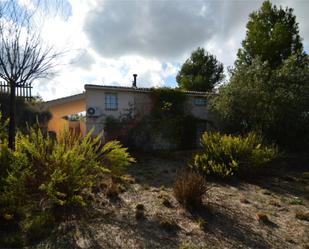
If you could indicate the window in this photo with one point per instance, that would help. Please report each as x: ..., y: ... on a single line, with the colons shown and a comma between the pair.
x: 200, y: 101
x: 111, y: 101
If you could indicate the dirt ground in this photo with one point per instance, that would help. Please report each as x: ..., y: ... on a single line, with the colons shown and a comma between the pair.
x: 263, y: 213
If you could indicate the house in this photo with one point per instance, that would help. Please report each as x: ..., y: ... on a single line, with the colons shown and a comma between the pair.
x: 100, y: 102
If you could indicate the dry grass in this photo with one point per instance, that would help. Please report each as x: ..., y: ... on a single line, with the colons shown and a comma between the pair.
x: 302, y: 215
x: 139, y: 219
x: 189, y: 189
x: 262, y: 217
x: 167, y: 223
x: 113, y: 190
x: 165, y: 199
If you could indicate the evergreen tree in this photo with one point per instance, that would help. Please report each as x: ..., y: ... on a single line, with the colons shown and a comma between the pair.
x: 272, y: 35
x: 201, y: 72
x: 268, y: 91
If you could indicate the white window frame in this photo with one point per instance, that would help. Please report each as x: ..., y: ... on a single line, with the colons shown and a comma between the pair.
x: 111, y: 101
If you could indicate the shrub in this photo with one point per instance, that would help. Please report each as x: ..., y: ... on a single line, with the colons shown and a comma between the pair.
x: 227, y: 155
x: 66, y: 170
x: 3, y: 125
x: 271, y: 101
x: 58, y: 174
x: 44, y: 178
x: 113, y: 190
x: 13, y: 198
x: 189, y: 189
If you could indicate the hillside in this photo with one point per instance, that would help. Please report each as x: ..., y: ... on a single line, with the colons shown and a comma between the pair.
x: 268, y: 212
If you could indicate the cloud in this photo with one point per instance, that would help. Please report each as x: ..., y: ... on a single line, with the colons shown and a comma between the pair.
x: 160, y: 29
x: 27, y: 4
x: 151, y: 73
x: 109, y: 40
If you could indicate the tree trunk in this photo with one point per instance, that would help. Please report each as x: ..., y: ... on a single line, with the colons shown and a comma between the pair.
x: 12, y: 128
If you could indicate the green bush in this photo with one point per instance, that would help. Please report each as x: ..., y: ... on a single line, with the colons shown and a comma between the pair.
x: 67, y: 170
x: 272, y: 102
x: 44, y: 178
x: 13, y: 199
x: 227, y: 155
x: 59, y: 173
x: 10, y: 211
x: 3, y: 125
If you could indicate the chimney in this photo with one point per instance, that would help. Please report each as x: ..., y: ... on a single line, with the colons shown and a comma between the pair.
x: 134, y: 80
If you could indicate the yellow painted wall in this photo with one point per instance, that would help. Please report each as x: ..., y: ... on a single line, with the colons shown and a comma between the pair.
x: 59, y: 110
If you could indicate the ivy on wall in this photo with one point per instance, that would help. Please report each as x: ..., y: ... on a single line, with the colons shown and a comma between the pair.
x: 167, y: 126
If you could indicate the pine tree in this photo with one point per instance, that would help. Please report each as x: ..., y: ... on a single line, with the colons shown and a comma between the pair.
x: 272, y: 35
x: 201, y: 72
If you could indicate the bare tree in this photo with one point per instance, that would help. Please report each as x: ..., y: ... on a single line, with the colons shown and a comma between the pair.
x: 23, y: 55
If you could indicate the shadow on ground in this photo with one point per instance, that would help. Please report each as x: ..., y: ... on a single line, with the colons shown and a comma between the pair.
x: 220, y: 221
x: 159, y: 170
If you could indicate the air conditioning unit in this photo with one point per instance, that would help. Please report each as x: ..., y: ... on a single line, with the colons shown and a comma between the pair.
x: 93, y: 112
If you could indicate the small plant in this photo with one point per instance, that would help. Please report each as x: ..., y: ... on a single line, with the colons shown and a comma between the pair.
x: 275, y: 203
x: 306, y: 246
x: 201, y: 222
x: 113, y: 190
x: 162, y: 188
x: 168, y: 223
x: 302, y: 215
x: 146, y: 186
x: 3, y: 125
x: 187, y: 245
x: 227, y: 155
x: 262, y: 217
x: 140, y: 207
x: 38, y: 226
x: 266, y: 192
x: 189, y: 189
x: 165, y: 198
x: 244, y: 200
x: 166, y: 202
x: 296, y: 201
x: 139, y: 211
x: 128, y: 179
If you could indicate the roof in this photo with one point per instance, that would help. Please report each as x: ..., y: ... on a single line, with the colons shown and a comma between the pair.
x: 81, y: 96
x: 137, y: 89
x: 64, y: 100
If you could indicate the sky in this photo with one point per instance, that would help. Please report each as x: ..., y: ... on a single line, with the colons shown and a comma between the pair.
x: 106, y: 41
